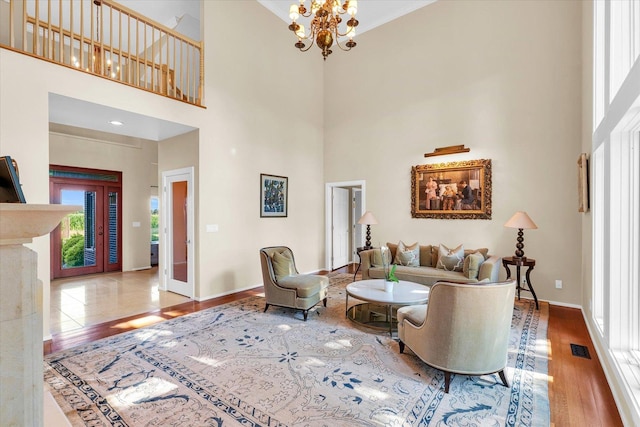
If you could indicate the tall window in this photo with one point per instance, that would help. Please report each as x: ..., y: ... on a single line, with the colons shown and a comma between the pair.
x: 616, y: 190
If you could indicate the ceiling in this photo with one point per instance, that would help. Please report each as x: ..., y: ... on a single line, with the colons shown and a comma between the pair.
x: 74, y: 113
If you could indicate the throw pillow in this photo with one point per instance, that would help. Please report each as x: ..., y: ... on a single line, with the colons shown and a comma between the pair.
x: 483, y: 251
x: 472, y: 265
x: 376, y: 259
x: 408, y: 255
x: 451, y: 259
x: 282, y: 265
x: 425, y: 256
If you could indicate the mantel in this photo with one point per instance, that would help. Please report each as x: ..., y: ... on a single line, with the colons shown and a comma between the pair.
x: 21, y: 222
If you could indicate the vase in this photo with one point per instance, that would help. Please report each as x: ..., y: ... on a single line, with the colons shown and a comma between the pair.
x: 388, y: 286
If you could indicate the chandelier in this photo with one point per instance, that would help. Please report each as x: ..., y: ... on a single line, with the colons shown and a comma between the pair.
x: 324, y: 27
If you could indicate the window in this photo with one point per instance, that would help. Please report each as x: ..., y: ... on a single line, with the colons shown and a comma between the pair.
x: 615, y: 304
x: 154, y: 219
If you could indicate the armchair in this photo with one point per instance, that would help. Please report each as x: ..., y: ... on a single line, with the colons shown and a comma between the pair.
x: 463, y: 329
x: 285, y: 287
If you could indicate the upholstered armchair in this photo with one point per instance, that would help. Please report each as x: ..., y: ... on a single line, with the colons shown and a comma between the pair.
x: 285, y: 287
x: 463, y: 328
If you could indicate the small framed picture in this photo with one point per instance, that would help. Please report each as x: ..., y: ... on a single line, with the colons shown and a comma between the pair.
x: 273, y: 196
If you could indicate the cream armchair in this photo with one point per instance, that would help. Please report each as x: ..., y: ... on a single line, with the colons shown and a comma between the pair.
x: 285, y: 287
x: 463, y: 329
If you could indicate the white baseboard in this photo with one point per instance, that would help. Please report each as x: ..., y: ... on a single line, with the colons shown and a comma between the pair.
x: 141, y: 268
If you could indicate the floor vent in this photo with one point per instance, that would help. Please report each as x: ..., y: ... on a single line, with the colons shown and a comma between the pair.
x: 580, y: 351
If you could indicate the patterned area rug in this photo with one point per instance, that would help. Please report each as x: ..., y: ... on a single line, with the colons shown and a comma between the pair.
x: 235, y: 365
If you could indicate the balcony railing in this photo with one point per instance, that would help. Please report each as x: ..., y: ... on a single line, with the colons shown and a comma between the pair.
x: 105, y: 38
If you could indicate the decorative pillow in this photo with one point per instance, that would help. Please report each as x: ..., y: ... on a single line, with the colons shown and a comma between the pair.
x: 451, y: 259
x: 393, y: 249
x: 408, y: 255
x: 472, y: 265
x: 282, y: 265
x: 483, y: 251
x: 376, y: 259
x: 425, y: 256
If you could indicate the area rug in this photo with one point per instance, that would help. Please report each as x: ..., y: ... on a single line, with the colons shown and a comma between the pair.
x: 235, y: 365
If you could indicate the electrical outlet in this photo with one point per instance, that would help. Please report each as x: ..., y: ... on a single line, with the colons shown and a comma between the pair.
x: 523, y: 281
x: 558, y: 284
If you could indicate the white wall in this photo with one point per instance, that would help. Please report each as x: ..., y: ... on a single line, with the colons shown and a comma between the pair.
x: 503, y: 78
x: 138, y: 165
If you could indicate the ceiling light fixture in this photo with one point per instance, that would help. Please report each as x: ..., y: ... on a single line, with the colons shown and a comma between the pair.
x: 116, y: 123
x: 324, y: 25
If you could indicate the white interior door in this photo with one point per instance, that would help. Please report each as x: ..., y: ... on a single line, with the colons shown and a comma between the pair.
x: 179, y: 267
x: 340, y: 208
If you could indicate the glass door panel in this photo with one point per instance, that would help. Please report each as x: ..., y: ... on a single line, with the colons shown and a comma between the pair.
x: 113, y: 242
x: 79, y: 230
x: 78, y: 242
x: 179, y: 230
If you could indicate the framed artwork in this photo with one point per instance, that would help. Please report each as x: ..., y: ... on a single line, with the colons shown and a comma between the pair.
x: 273, y: 196
x: 455, y: 190
x: 583, y: 183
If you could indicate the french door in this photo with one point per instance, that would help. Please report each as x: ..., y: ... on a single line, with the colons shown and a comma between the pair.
x: 88, y: 240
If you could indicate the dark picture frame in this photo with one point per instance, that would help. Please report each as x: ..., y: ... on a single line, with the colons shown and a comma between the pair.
x: 274, y: 196
x: 437, y: 190
x: 10, y: 189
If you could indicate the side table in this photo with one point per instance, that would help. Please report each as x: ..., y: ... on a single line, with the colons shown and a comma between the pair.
x: 358, y: 250
x: 521, y: 262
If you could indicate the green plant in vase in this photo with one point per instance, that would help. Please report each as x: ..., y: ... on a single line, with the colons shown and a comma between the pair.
x: 391, y: 276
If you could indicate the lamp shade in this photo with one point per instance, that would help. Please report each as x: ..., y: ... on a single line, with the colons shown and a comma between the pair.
x: 367, y: 218
x: 521, y: 220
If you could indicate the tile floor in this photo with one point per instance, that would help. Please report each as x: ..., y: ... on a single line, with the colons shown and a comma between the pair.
x: 82, y: 301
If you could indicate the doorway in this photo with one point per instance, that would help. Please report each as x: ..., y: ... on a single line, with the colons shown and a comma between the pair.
x: 341, y: 228
x: 90, y: 240
x: 179, y: 266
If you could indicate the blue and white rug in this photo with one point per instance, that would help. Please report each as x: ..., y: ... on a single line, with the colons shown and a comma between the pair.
x: 235, y: 365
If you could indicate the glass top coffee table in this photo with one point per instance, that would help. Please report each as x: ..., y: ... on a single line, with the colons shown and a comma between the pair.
x: 378, y: 307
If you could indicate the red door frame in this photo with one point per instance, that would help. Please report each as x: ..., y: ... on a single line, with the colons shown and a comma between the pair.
x: 102, y: 214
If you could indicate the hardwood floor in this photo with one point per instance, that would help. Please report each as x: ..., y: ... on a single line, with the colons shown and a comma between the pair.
x: 579, y: 394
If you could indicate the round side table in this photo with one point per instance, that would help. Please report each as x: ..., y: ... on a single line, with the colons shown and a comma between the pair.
x: 518, y: 263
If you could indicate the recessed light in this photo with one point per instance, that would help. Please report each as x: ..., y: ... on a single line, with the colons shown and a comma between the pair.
x: 116, y: 123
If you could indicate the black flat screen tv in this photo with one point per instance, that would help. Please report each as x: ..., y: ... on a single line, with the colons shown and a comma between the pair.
x: 10, y: 189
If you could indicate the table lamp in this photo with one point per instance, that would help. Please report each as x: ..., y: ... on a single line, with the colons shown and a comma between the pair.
x: 521, y: 221
x: 368, y: 219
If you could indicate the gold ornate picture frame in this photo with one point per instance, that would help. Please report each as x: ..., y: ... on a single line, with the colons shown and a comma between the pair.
x: 455, y: 190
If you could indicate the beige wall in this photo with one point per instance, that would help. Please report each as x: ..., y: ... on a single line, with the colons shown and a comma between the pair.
x: 264, y: 109
x: 139, y: 178
x: 503, y: 78
x: 178, y: 153
x: 263, y: 115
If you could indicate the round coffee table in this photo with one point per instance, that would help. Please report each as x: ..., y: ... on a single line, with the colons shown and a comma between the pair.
x: 377, y: 308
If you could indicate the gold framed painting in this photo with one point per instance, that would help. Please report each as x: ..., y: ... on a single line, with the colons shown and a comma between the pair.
x: 583, y: 183
x: 454, y: 190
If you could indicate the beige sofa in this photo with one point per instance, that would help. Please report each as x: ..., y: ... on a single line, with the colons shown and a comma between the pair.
x: 427, y: 273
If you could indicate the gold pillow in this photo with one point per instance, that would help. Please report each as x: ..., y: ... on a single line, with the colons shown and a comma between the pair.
x: 472, y: 265
x: 282, y: 265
